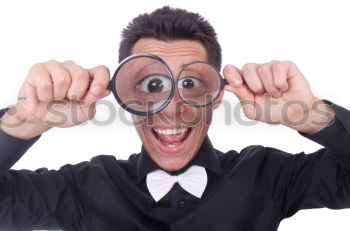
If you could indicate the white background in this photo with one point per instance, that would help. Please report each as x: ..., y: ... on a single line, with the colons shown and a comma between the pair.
x: 313, y: 34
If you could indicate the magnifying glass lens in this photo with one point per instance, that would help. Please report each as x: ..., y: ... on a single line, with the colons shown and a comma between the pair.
x: 199, y: 84
x: 143, y: 85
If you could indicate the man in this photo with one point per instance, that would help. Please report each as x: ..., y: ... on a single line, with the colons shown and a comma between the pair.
x: 178, y: 181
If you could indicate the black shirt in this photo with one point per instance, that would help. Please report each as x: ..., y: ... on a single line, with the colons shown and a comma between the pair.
x: 253, y: 189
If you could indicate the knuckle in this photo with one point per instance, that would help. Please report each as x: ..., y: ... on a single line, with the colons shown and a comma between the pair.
x: 256, y: 87
x: 45, y: 86
x: 288, y: 62
x: 102, y: 68
x: 81, y: 73
x: 248, y: 67
x: 51, y: 61
x: 37, y: 66
x: 262, y: 69
x: 278, y: 67
x: 291, y: 67
x: 68, y: 62
x: 278, y: 80
x: 63, y: 79
x: 35, y: 70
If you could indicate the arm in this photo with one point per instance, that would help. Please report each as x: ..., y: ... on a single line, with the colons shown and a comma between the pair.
x: 38, y: 199
x: 316, y: 180
x: 277, y: 92
x: 53, y: 95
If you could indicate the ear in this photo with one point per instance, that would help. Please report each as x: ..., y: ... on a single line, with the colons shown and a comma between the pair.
x: 218, y: 100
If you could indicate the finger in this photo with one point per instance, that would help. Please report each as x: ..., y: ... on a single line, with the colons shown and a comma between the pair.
x: 98, y: 88
x: 27, y: 96
x: 236, y: 85
x: 80, y: 80
x: 265, y: 74
x: 252, y: 79
x: 39, y: 78
x: 100, y: 79
x: 242, y: 93
x: 232, y: 75
x: 240, y: 89
x: 279, y: 74
x: 60, y: 77
x: 246, y: 98
x: 89, y: 98
x: 30, y: 95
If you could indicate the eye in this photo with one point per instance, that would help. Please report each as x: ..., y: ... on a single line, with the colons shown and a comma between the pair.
x: 188, y: 82
x: 155, y: 84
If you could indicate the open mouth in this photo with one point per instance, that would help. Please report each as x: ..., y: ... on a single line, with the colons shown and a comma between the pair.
x: 171, y: 140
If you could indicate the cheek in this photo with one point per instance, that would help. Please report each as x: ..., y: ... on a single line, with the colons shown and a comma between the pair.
x: 208, y: 117
x: 139, y: 122
x: 190, y: 116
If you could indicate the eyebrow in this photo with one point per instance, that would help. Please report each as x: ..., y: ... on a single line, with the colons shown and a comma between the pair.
x: 145, y: 69
x: 184, y: 65
x: 155, y: 63
x: 167, y: 66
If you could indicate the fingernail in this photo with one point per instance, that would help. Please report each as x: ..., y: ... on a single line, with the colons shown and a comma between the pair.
x: 96, y: 90
x: 277, y: 94
x: 236, y: 82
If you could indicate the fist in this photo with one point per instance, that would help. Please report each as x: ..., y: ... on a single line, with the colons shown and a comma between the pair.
x: 61, y: 94
x: 274, y: 92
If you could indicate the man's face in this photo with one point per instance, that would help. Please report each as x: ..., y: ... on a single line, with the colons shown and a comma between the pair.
x: 173, y: 136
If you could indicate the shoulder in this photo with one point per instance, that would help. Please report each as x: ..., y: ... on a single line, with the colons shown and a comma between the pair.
x: 253, y: 155
x: 231, y: 158
x: 102, y: 164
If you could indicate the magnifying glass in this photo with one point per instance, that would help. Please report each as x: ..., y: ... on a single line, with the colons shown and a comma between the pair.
x: 143, y: 84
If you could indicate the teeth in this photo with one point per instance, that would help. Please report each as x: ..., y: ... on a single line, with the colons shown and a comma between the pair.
x: 170, y: 131
x: 172, y: 145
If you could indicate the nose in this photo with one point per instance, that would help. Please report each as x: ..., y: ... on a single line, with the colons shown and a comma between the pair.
x: 174, y: 109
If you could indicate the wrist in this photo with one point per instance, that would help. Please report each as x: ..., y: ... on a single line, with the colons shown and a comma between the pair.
x: 314, y: 120
x: 20, y: 128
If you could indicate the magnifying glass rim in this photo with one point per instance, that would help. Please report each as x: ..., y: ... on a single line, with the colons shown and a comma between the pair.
x: 123, y: 105
x: 223, y: 82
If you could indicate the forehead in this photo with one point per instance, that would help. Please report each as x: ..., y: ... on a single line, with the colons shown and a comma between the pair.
x: 174, y: 52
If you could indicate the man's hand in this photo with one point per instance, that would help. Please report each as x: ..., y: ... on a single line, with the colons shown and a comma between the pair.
x: 55, y: 95
x: 277, y: 92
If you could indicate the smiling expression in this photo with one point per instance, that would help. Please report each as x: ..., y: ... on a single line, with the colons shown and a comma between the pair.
x: 173, y: 136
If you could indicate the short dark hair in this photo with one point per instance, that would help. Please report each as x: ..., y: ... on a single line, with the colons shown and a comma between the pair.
x: 171, y: 24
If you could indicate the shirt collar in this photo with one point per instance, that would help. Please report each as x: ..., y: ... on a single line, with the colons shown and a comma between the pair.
x: 205, y: 157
